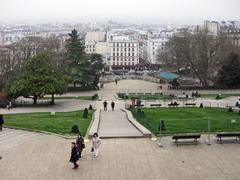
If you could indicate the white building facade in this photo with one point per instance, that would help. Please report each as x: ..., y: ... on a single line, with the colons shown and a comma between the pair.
x: 124, y: 54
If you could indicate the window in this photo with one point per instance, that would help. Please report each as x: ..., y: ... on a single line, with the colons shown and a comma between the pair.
x: 129, y: 54
x: 132, y: 49
x: 132, y: 54
x: 113, y: 58
x: 113, y: 49
x: 129, y: 49
x: 113, y: 54
x: 117, y: 54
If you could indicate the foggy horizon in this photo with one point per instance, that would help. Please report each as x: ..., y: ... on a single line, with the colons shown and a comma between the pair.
x: 132, y: 11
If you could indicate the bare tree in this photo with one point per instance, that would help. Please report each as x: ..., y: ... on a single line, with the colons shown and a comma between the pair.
x: 200, y: 52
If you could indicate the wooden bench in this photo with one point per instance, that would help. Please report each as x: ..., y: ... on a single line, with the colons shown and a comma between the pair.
x: 228, y: 135
x: 173, y: 104
x: 155, y: 105
x: 195, y: 137
x: 190, y: 104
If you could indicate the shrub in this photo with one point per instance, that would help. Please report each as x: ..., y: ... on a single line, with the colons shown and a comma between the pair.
x: 230, y: 109
x: 162, y: 125
x: 201, y: 105
x: 237, y: 104
x: 218, y: 97
x: 75, y: 129
x: 239, y: 112
x: 95, y: 96
x: 90, y: 107
x: 85, y: 113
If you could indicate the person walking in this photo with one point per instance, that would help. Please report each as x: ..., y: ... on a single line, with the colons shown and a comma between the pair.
x: 96, y: 142
x: 105, y: 105
x: 74, y: 156
x: 1, y: 122
x: 113, y: 105
x: 80, y: 145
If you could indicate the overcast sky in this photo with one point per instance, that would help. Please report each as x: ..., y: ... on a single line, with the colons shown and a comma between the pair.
x: 162, y: 11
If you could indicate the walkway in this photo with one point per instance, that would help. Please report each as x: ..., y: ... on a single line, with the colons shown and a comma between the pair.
x: 116, y: 124
x: 47, y: 158
x: 10, y: 138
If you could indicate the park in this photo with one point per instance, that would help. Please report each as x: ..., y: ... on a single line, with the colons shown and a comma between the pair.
x: 128, y: 156
x: 154, y: 121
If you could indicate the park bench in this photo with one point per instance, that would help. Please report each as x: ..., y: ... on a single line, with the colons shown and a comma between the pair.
x: 228, y: 135
x: 135, y: 105
x: 190, y: 104
x: 195, y: 137
x: 173, y: 104
x: 155, y: 105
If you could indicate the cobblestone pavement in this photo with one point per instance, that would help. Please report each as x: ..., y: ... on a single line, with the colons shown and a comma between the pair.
x: 46, y: 157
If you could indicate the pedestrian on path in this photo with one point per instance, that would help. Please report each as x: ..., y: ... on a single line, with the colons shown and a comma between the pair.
x: 96, y: 142
x: 80, y: 145
x: 1, y: 121
x: 113, y: 105
x: 105, y: 105
x: 74, y: 156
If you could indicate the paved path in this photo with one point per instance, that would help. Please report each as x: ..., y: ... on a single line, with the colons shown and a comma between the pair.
x: 115, y: 124
x: 10, y: 138
x: 46, y: 158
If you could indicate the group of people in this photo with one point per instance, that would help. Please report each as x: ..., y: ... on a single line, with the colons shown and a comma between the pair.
x: 78, y: 146
x: 105, y: 105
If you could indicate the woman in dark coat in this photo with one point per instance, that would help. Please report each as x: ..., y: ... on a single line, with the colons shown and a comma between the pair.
x: 74, y: 155
x: 1, y: 122
x: 80, y: 145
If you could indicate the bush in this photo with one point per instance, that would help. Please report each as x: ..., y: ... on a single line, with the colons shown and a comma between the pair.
x: 230, y: 109
x: 218, y: 97
x: 90, y: 107
x: 85, y: 113
x: 162, y: 125
x: 95, y: 96
x: 75, y: 129
x: 237, y: 104
x: 239, y: 112
x: 201, y: 105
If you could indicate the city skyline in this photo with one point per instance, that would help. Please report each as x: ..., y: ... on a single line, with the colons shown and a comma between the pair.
x: 139, y: 11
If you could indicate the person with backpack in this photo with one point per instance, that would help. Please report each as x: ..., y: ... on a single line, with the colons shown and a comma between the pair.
x: 80, y: 145
x: 1, y: 121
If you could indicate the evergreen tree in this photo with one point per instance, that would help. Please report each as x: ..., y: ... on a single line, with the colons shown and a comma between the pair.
x: 78, y: 63
x: 229, y: 75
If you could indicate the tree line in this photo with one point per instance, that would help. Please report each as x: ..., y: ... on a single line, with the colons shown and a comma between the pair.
x: 209, y: 58
x: 35, y: 67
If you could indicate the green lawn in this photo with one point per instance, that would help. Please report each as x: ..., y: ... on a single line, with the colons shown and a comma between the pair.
x: 60, y: 123
x: 214, y: 96
x: 88, y: 98
x: 149, y: 97
x: 187, y: 120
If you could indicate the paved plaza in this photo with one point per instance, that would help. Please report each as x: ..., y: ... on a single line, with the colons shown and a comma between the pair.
x: 45, y: 157
x: 37, y: 156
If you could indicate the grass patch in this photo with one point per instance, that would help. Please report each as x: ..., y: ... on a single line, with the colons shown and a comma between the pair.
x: 188, y: 120
x: 214, y: 96
x: 60, y: 123
x: 148, y: 97
x: 87, y: 98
